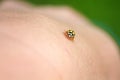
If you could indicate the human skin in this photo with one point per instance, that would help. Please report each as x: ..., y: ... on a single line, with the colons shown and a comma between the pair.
x: 33, y: 46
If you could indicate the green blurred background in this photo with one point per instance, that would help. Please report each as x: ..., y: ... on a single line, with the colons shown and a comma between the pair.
x: 104, y: 13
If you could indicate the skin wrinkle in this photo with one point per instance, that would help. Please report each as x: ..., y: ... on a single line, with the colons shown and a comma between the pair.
x: 95, y: 49
x: 76, y: 57
x: 65, y: 54
x: 34, y: 50
x: 101, y: 50
x: 93, y: 41
x: 73, y: 58
x: 88, y: 46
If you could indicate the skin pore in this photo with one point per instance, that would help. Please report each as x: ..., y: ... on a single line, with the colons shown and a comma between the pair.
x: 33, y: 46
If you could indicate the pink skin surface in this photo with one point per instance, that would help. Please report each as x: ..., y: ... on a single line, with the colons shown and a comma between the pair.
x: 33, y: 46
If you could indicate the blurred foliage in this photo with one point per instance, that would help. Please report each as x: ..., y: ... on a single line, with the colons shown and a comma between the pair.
x: 104, y: 13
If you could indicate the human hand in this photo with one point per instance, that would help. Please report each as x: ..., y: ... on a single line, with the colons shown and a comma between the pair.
x: 33, y: 46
